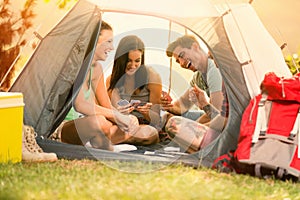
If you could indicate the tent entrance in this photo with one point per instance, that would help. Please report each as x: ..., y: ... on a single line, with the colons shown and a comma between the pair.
x: 48, y: 98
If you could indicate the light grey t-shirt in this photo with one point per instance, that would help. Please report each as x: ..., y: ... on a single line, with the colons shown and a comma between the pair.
x: 211, y: 81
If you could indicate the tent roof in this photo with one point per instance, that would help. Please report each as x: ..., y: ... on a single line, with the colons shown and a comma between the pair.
x: 192, y: 8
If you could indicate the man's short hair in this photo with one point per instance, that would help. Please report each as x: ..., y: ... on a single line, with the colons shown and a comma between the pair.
x: 185, y: 41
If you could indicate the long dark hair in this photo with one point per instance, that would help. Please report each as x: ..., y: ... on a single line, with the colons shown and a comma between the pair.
x: 128, y: 43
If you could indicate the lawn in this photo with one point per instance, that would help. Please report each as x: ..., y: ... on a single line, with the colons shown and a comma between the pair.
x: 86, y: 179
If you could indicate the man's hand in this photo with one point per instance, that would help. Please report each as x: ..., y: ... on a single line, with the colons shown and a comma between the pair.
x: 166, y: 101
x: 198, y: 96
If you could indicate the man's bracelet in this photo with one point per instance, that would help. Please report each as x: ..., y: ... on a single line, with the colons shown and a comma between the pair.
x: 210, y: 111
x: 206, y: 108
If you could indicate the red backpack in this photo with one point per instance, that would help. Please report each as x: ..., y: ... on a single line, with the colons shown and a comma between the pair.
x: 269, y: 133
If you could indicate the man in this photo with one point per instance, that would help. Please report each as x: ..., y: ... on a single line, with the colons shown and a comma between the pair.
x: 187, y: 133
x: 188, y: 53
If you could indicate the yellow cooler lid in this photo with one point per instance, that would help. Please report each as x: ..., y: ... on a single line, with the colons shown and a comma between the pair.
x: 11, y: 99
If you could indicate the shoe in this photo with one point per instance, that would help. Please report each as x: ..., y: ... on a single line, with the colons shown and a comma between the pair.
x: 88, y: 144
x: 56, y: 135
x: 124, y: 147
x: 31, y: 151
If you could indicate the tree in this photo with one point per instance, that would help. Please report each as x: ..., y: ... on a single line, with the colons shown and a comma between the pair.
x: 13, y: 27
x: 12, y: 30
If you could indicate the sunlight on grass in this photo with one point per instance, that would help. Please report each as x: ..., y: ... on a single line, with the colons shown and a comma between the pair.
x: 93, y: 180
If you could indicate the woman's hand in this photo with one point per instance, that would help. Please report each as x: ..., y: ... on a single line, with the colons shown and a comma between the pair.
x: 133, y: 125
x: 144, y: 109
x: 127, y: 123
x: 126, y: 110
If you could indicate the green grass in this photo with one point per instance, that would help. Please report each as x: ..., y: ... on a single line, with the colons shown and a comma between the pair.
x: 87, y: 179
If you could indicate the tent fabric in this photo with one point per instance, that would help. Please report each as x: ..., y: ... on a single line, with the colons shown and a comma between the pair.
x: 167, y: 8
x: 237, y: 93
x: 257, y: 47
x: 231, y: 34
x: 48, y: 78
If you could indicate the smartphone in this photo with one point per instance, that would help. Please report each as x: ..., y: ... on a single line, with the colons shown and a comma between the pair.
x: 123, y: 102
x: 142, y: 103
x: 135, y: 103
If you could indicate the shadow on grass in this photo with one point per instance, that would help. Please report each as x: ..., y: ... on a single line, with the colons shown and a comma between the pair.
x: 8, y: 195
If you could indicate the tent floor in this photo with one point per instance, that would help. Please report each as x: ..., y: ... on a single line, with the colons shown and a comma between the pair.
x: 153, y: 153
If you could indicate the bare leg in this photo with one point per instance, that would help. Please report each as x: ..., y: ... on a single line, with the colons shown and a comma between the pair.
x: 145, y: 135
x: 93, y: 129
x: 117, y: 136
x: 185, y: 132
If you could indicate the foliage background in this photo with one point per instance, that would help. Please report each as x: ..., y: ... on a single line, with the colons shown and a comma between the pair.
x: 12, y: 30
x: 293, y: 62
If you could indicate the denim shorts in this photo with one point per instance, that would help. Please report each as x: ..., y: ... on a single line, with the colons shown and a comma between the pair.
x: 193, y: 114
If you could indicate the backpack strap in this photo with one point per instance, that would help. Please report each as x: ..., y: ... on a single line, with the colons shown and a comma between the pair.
x: 296, y: 130
x: 257, y: 170
x: 280, y: 172
x: 298, y: 122
x: 261, y: 121
x: 296, y: 126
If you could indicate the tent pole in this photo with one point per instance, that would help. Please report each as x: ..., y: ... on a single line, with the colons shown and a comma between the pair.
x: 170, y: 74
x: 286, y: 46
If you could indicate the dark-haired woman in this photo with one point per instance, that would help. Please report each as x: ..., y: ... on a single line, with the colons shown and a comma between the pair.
x: 131, y: 80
